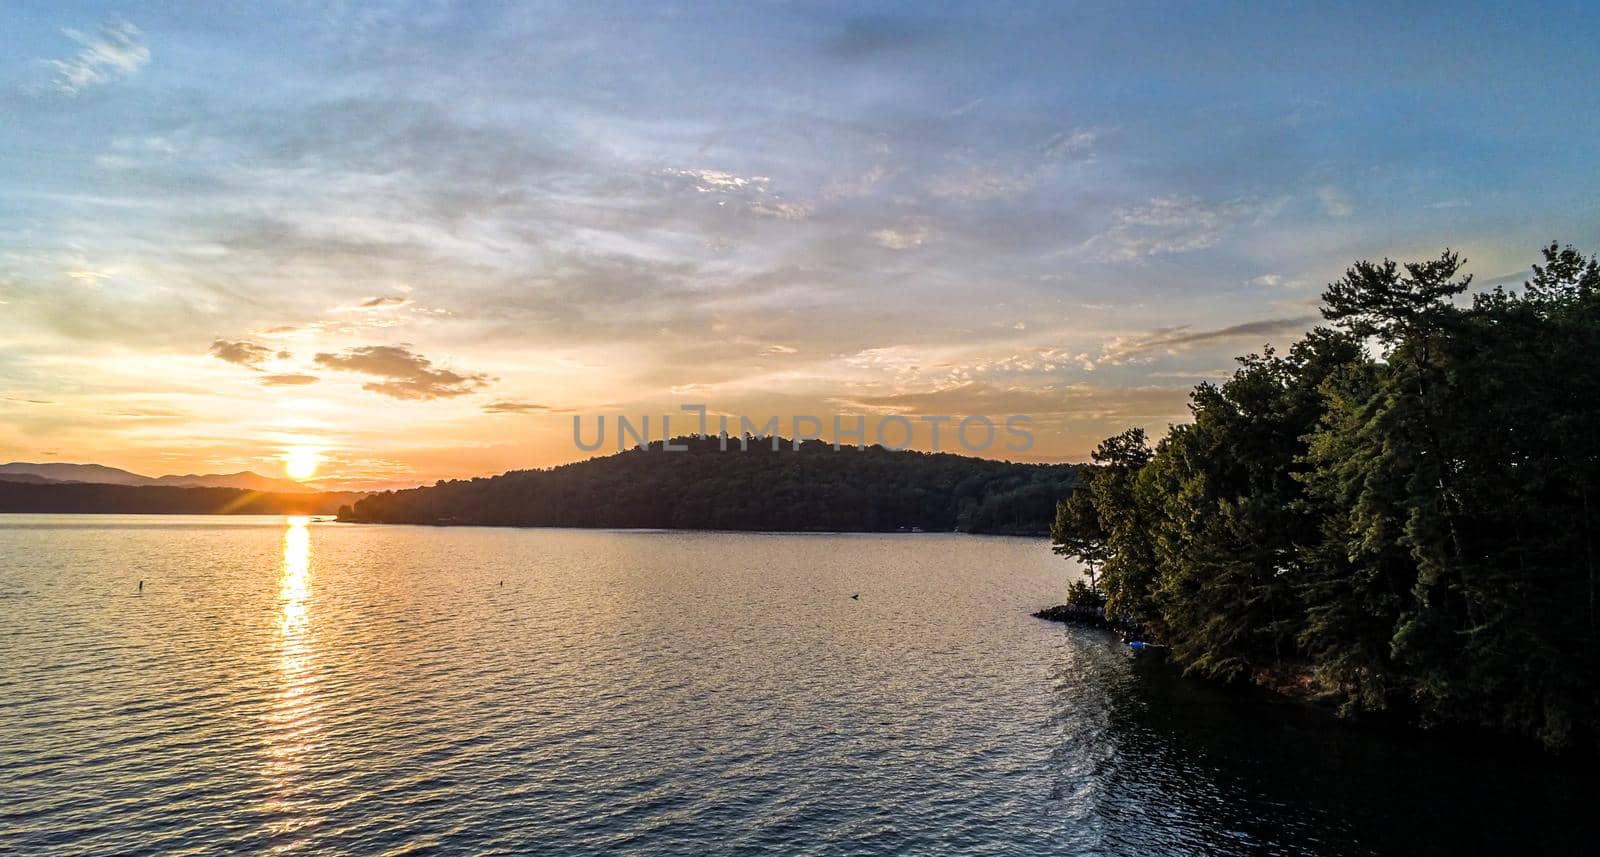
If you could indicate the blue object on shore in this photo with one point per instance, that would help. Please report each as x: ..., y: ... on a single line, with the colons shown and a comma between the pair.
x: 1138, y: 644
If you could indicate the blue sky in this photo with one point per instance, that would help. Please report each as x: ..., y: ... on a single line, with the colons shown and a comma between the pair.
x: 419, y: 237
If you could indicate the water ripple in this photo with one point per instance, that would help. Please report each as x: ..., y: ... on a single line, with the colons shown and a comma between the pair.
x: 286, y: 686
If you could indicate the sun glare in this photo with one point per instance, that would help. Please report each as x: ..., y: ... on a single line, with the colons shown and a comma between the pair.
x: 300, y: 462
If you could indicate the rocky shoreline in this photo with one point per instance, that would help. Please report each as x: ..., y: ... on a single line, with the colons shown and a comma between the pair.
x: 1095, y: 617
x: 1292, y: 681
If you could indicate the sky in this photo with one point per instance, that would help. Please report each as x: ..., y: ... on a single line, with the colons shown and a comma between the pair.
x: 421, y: 238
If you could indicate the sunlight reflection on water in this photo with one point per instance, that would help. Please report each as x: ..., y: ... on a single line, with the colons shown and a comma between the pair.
x: 291, y: 723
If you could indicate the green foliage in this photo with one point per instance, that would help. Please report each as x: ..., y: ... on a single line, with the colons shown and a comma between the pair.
x: 1083, y: 594
x: 814, y: 488
x: 1416, y: 524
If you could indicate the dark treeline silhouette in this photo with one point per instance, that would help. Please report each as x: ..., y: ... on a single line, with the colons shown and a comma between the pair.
x: 95, y: 498
x: 1401, y: 512
x: 814, y: 488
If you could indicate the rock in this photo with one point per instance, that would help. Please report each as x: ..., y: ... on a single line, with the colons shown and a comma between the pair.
x: 1093, y: 617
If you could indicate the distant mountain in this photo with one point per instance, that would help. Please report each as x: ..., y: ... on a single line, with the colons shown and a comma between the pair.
x: 101, y: 475
x: 246, y: 479
x: 815, y: 488
x: 31, y: 478
x: 97, y: 473
x: 106, y: 498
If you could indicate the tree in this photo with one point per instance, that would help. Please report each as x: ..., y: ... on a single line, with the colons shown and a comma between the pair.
x: 1415, y: 525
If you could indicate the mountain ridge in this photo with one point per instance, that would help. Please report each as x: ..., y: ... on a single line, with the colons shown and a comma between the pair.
x: 100, y: 474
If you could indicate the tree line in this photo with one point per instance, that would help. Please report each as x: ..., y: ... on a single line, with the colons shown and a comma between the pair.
x: 1400, y: 512
x: 101, y: 499
x: 814, y: 488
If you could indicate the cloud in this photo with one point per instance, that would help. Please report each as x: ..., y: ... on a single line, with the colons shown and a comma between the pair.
x: 901, y: 239
x: 1071, y: 143
x: 981, y: 183
x: 384, y: 302
x: 1277, y: 281
x: 508, y: 407
x: 755, y: 192
x: 1082, y: 401
x: 780, y: 210
x: 116, y: 51
x: 717, y: 181
x: 965, y: 108
x: 962, y: 399
x: 241, y: 353
x: 164, y: 414
x: 1172, y: 339
x: 290, y: 379
x: 859, y: 185
x: 1335, y: 202
x: 406, y: 374
x: 1166, y: 225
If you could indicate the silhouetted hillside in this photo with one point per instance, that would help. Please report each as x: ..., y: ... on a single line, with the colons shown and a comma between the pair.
x: 814, y: 488
x: 87, y: 498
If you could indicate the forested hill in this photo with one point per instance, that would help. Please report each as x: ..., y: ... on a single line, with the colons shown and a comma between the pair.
x: 814, y: 488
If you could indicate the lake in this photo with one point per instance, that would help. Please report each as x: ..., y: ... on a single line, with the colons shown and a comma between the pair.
x: 304, y: 686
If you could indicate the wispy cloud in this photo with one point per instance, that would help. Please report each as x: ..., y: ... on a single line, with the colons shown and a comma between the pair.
x: 384, y: 302
x: 1277, y: 281
x: 902, y: 238
x: 779, y: 210
x: 1071, y: 144
x: 754, y: 194
x: 1166, y: 225
x: 981, y: 183
x: 288, y: 379
x: 405, y: 374
x: 509, y: 407
x: 831, y: 205
x: 1072, y: 400
x: 717, y: 181
x: 1175, y: 339
x: 115, y: 51
x: 1335, y: 202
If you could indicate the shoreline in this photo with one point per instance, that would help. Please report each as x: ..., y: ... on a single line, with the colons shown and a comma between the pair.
x: 1288, y: 685
x: 1030, y: 534
x: 1286, y: 682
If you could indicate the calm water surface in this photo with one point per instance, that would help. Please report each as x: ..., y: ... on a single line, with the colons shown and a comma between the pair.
x: 282, y: 685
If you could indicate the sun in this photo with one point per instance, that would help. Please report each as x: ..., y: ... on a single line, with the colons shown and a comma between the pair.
x: 300, y: 462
